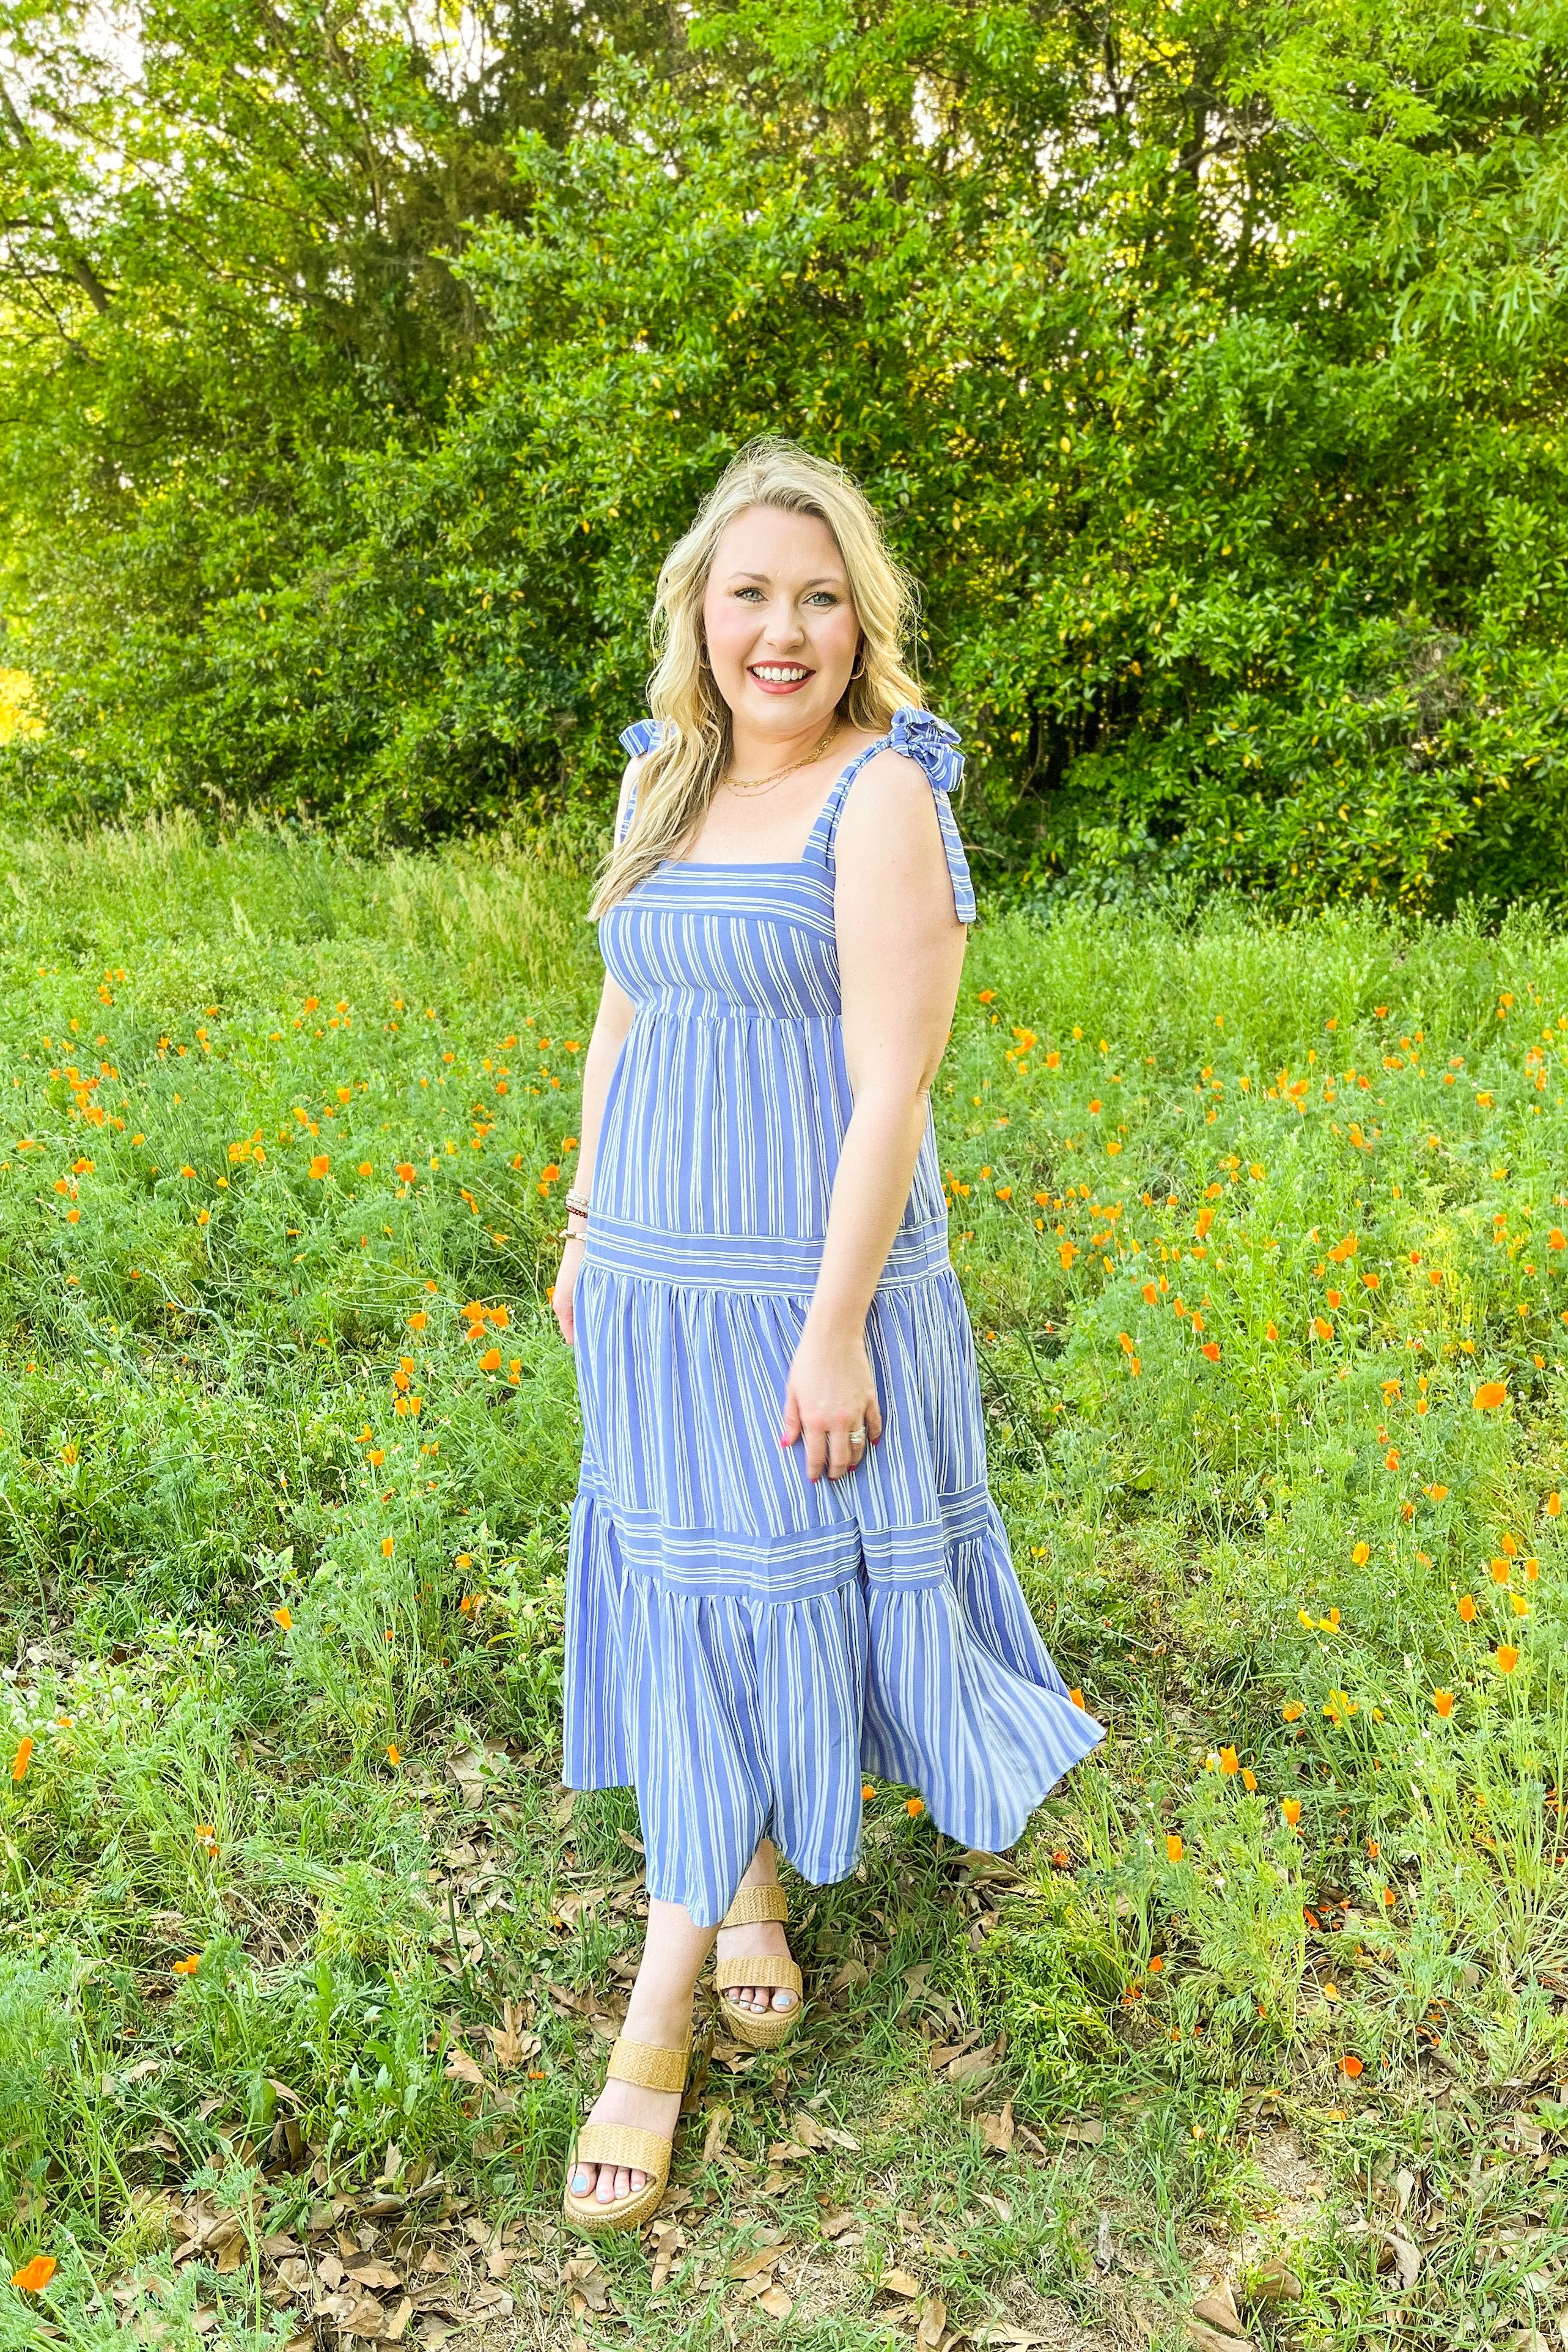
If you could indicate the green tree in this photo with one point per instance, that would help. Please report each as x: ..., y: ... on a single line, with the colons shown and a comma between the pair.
x: 1207, y: 362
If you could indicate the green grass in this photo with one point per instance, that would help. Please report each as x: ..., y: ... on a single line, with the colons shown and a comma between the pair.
x: 234, y: 1567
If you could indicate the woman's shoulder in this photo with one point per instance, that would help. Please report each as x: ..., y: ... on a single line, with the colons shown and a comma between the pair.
x: 918, y: 740
x: 910, y: 770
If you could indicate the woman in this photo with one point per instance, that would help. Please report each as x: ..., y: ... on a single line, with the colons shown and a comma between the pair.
x: 785, y: 1563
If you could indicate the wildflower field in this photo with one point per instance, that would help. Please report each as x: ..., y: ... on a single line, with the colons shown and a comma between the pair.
x: 309, y: 1961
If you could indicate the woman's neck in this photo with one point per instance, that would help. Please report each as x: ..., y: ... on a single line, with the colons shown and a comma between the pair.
x: 754, y: 753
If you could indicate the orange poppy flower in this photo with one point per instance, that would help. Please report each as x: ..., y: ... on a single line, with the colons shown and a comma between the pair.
x: 404, y: 1171
x: 1443, y: 1700
x: 490, y: 1361
x: 1467, y: 1608
x: 1291, y: 1809
x: 320, y: 1164
x: 1360, y: 1553
x: 1292, y: 1710
x: 284, y: 1617
x: 1351, y: 2065
x: 1174, y: 1849
x: 34, y: 2276
x: 1322, y: 1327
x: 388, y: 1543
x: 1489, y: 1395
x: 1211, y: 1350
x: 914, y: 1806
x: 1228, y: 1760
x: 23, y: 1757
x: 1507, y: 1657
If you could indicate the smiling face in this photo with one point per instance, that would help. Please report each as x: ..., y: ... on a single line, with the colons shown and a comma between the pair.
x: 781, y: 627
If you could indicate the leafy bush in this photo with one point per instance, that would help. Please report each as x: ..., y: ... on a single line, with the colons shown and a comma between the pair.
x: 1200, y: 362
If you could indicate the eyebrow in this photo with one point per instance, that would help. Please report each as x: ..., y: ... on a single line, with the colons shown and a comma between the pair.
x: 822, y: 579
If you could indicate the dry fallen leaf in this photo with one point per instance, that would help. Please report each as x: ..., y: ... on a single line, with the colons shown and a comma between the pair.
x: 776, y: 2303
x: 669, y: 2239
x: 900, y: 2283
x: 714, y: 2137
x: 1276, y: 2282
x: 1218, y: 2307
x: 999, y: 2130
x: 462, y: 2068
x: 933, y: 2321
x: 365, y: 2317
x: 1212, y: 2340
x: 364, y: 2271
x: 511, y: 2040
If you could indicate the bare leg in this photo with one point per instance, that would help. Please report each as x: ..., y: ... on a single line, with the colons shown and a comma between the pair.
x: 767, y: 1936
x: 660, y: 2010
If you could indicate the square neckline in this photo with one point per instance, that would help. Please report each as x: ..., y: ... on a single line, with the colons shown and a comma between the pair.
x: 777, y: 865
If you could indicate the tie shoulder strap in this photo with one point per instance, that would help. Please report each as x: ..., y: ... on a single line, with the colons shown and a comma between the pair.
x: 640, y: 737
x: 932, y: 745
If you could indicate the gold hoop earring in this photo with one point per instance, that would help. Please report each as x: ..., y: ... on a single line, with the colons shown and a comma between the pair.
x: 702, y: 661
x: 855, y: 675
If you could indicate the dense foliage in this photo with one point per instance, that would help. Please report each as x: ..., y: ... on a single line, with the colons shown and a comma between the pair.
x: 1207, y: 361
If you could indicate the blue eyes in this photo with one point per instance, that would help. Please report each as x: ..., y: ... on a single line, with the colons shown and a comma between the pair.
x: 817, y: 595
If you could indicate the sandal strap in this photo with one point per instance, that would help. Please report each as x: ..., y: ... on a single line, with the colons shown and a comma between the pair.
x: 651, y: 2065
x: 760, y: 1968
x: 623, y: 2144
x: 754, y: 1905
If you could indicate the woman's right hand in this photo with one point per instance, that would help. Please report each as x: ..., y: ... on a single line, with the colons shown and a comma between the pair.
x: 564, y: 1292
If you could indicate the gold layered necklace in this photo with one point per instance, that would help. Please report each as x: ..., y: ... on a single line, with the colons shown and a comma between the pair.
x: 766, y: 783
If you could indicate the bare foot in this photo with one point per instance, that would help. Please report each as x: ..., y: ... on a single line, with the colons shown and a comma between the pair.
x: 766, y: 1939
x: 650, y: 2017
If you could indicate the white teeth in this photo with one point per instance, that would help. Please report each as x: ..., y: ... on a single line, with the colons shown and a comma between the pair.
x: 779, y: 677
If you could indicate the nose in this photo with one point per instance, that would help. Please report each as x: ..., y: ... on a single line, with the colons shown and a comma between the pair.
x: 784, y: 627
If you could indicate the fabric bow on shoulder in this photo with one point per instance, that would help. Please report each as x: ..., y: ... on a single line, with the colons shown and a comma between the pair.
x: 921, y: 736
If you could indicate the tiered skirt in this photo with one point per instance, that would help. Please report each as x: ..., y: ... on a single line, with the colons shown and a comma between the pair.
x: 743, y: 1646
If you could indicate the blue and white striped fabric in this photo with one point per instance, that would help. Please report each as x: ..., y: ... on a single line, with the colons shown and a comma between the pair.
x: 742, y: 1643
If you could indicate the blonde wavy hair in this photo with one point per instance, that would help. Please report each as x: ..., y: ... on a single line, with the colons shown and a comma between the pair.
x: 678, y: 779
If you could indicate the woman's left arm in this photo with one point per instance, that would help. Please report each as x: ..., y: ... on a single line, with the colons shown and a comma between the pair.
x: 900, y: 954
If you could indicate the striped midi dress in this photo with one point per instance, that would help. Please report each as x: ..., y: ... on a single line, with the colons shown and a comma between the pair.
x: 742, y: 1643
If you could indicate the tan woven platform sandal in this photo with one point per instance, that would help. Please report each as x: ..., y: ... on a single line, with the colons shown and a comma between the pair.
x: 652, y: 2067
x: 768, y: 2030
